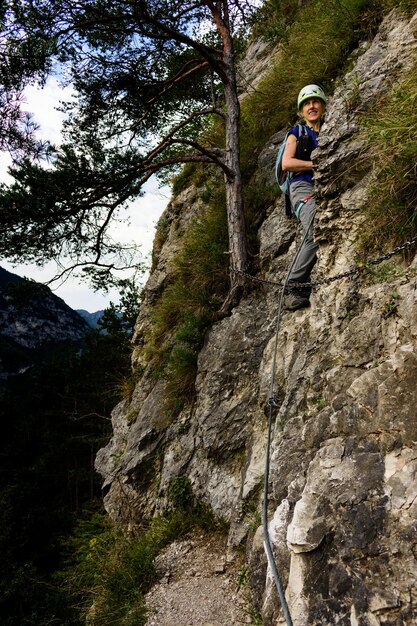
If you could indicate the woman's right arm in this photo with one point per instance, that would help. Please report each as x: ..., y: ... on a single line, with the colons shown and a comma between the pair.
x: 289, y: 162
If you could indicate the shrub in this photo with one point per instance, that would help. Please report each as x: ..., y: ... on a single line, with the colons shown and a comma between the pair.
x: 181, y: 493
x: 108, y: 573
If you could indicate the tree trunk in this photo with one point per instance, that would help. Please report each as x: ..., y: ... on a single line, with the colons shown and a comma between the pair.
x: 233, y: 182
x: 234, y: 199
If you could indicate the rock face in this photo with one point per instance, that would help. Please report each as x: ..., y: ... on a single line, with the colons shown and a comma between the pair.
x: 31, y: 315
x: 31, y: 319
x: 343, y: 504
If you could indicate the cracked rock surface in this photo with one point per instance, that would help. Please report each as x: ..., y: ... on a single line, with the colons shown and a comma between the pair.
x: 343, y: 498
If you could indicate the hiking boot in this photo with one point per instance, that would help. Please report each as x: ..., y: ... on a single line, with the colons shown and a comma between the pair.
x: 295, y: 301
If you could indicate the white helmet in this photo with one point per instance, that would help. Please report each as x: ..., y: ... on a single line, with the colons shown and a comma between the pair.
x: 310, y: 91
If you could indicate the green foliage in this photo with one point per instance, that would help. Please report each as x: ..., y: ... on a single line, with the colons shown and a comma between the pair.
x: 149, y: 83
x: 407, y: 6
x: 55, y: 432
x: 48, y: 213
x: 274, y: 19
x: 256, y: 617
x: 184, y: 311
x: 161, y: 234
x: 107, y: 572
x: 383, y: 273
x: 391, y: 306
x: 119, y: 320
x: 389, y: 130
x: 22, y: 61
x: 46, y: 478
x: 323, y: 30
x: 183, y: 179
x: 181, y: 361
x: 253, y: 613
x: 181, y: 494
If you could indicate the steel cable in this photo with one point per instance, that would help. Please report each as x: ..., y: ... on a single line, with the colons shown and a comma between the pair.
x: 272, y: 403
x: 330, y: 279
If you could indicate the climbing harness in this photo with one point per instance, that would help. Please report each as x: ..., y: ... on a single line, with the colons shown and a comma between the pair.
x: 272, y: 403
x: 299, y: 206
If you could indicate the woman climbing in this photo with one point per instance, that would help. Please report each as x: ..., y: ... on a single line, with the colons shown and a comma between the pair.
x: 301, y: 142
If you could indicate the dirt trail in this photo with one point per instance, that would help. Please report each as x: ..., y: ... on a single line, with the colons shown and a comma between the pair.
x: 197, y: 587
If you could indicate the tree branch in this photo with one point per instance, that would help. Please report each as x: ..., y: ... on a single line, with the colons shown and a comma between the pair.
x: 170, y: 85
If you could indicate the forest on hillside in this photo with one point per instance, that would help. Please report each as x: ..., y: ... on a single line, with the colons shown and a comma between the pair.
x: 55, y: 416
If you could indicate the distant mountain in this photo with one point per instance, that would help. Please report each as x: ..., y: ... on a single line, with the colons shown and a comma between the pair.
x: 33, y: 321
x: 92, y: 319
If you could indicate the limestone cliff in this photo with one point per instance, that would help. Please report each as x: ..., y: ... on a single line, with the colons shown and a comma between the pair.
x: 343, y: 502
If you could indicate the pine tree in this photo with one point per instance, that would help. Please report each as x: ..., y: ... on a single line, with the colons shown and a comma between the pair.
x: 149, y: 79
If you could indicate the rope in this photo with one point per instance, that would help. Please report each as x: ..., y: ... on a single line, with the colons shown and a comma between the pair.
x: 272, y: 403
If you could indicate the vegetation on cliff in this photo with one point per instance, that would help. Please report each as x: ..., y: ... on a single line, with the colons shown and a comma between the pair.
x: 108, y: 572
x: 390, y: 131
x: 107, y: 569
x: 147, y: 77
x: 326, y: 31
x: 181, y: 305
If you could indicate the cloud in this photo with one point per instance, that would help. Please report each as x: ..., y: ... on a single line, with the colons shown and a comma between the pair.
x: 44, y: 104
x: 141, y: 215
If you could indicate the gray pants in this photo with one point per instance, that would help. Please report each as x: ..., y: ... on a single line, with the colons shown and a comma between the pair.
x: 304, y: 211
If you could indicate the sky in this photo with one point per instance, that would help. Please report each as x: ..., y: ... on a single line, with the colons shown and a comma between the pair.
x: 142, y: 214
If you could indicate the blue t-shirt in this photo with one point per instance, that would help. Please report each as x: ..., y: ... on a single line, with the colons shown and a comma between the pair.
x: 307, y: 176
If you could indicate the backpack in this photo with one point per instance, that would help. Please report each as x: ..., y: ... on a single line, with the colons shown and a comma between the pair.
x: 304, y: 144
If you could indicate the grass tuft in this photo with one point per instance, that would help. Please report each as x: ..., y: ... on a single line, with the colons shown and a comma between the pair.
x: 182, y: 314
x: 390, y: 131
